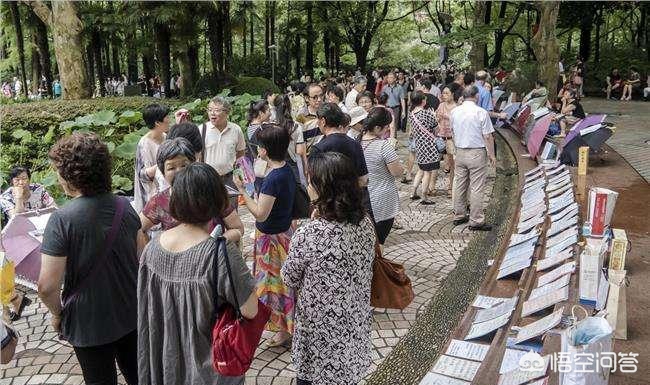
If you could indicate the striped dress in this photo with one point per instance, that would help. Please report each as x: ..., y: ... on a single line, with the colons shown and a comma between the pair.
x: 384, y: 197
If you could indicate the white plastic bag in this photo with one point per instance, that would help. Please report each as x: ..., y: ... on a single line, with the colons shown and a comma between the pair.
x: 585, y: 342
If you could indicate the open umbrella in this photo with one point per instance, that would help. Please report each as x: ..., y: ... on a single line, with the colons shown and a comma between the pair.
x: 594, y: 139
x: 537, y: 134
x: 21, y: 242
x: 582, y: 124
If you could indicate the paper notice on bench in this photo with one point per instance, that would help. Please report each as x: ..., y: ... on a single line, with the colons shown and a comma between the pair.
x: 539, y: 327
x: 439, y: 379
x: 505, y: 307
x: 559, y: 192
x: 542, y: 302
x: 556, y: 273
x: 533, y: 170
x: 550, y: 172
x: 516, y: 239
x: 570, y: 241
x: 557, y: 284
x: 521, y: 376
x: 514, y: 268
x: 456, y: 367
x: 467, y: 350
x: 545, y: 263
x: 510, y: 360
x: 556, y: 239
x: 483, y: 328
x: 564, y: 212
x: 483, y: 301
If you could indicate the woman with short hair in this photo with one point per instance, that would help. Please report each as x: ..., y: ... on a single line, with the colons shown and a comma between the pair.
x: 330, y: 266
x: 22, y: 195
x: 450, y: 95
x: 273, y: 215
x: 424, y: 124
x: 173, y: 156
x: 90, y: 243
x: 177, y: 289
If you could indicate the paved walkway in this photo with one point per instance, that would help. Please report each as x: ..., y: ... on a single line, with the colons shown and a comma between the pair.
x: 428, y: 245
x: 632, y: 137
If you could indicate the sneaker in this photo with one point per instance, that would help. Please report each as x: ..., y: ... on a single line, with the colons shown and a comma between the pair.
x: 415, y: 197
x: 427, y: 202
x: 481, y: 227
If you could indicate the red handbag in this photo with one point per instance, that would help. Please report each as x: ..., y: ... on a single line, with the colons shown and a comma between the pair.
x: 235, y: 338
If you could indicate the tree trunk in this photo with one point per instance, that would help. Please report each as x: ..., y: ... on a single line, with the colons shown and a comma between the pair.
x: 267, y: 36
x: 326, y: 49
x: 499, y: 37
x: 477, y: 52
x: 309, y: 48
x: 227, y: 35
x: 251, y: 16
x: 147, y: 52
x: 597, y: 38
x: 163, y: 41
x: 90, y: 63
x: 546, y: 46
x: 39, y: 29
x: 36, y: 67
x: 132, y: 56
x: 568, y: 42
x: 272, y: 23
x: 297, y: 54
x: 244, y: 37
x: 66, y: 31
x: 215, y: 39
x: 20, y: 44
x: 96, y: 43
x: 586, y: 27
x: 115, y: 43
x: 106, y: 51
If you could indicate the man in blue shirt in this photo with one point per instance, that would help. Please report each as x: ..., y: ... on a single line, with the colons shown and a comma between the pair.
x: 485, y: 97
x: 396, y: 99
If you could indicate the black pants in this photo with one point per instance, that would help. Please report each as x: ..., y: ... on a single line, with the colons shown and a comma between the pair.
x: 98, y: 362
x: 302, y: 382
x: 383, y: 229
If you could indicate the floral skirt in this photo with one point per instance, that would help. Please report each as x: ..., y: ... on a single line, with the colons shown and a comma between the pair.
x: 270, y: 252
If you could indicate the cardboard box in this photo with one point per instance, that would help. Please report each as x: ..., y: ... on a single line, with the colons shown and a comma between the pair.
x: 618, y: 250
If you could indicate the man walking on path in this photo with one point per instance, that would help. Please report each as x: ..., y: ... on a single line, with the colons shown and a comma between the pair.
x: 396, y: 99
x: 472, y: 132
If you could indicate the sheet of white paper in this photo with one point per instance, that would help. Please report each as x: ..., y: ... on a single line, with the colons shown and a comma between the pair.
x: 560, y: 237
x: 514, y: 268
x: 467, y: 350
x: 39, y: 221
x: 515, y: 260
x: 545, y: 263
x: 484, y: 301
x: 539, y: 327
x: 549, y: 287
x: 556, y: 273
x: 516, y: 239
x: 561, y: 225
x: 542, y: 302
x: 510, y: 360
x: 439, y: 379
x: 564, y: 212
x: 505, y: 307
x: 558, y: 169
x: 519, y: 376
x: 559, y: 191
x: 558, y: 177
x: 533, y: 170
x: 456, y: 367
x: 534, y: 221
x: 483, y: 328
x: 561, y: 246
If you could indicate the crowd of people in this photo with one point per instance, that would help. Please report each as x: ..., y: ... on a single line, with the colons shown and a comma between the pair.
x: 140, y: 280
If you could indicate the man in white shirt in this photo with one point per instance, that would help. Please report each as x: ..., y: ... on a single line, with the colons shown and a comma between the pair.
x: 360, y: 83
x: 224, y: 141
x: 472, y: 133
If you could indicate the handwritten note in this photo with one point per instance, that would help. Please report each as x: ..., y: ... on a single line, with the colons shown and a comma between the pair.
x: 456, y: 367
x: 539, y: 327
x: 439, y: 379
x: 483, y: 301
x: 557, y: 284
x: 483, y: 328
x: 505, y: 307
x: 556, y: 273
x: 536, y: 304
x: 467, y: 350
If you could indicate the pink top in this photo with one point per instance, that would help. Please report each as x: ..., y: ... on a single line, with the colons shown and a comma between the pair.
x: 444, y: 125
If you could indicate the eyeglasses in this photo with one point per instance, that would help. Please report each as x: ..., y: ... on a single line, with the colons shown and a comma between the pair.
x: 316, y: 97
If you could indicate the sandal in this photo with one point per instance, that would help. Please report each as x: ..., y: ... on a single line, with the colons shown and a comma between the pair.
x: 272, y: 343
x: 406, y: 181
x: 15, y: 316
x: 427, y: 202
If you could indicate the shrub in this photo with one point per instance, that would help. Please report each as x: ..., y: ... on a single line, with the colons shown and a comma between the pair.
x: 253, y: 86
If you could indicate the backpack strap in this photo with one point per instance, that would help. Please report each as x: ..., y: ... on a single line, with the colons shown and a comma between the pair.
x: 120, y: 204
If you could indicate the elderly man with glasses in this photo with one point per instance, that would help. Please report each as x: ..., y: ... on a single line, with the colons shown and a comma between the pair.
x: 307, y: 115
x: 223, y: 141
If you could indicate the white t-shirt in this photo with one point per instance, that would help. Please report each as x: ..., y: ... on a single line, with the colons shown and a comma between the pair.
x: 351, y: 99
x: 221, y: 147
x: 469, y: 123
